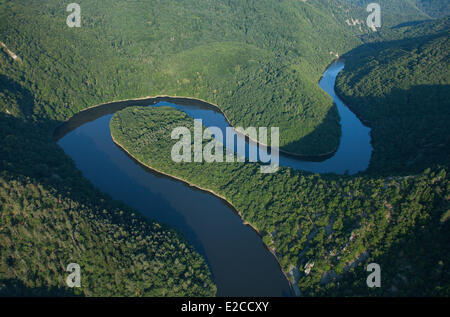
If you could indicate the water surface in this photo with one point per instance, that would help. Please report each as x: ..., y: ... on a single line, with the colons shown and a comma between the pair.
x: 239, y: 262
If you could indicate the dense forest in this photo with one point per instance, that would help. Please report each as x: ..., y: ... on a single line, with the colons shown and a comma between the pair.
x: 398, y: 11
x: 434, y: 8
x: 393, y: 12
x: 260, y: 61
x: 323, y: 229
x: 222, y: 51
x: 51, y: 216
x: 401, y: 89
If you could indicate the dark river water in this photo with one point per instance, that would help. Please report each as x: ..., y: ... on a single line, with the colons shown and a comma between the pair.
x: 239, y: 262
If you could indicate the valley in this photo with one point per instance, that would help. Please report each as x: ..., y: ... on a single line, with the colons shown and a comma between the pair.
x: 363, y: 166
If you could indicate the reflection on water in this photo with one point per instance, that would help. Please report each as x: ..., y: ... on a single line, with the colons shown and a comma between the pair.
x: 352, y: 156
x: 240, y: 263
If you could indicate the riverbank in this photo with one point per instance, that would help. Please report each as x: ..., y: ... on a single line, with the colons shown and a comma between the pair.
x: 229, y: 203
x: 95, y: 113
x: 181, y: 100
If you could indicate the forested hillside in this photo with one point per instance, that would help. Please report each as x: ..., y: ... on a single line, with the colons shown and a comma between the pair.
x: 406, y: 31
x: 393, y: 12
x: 434, y: 8
x: 259, y: 60
x: 323, y: 229
x: 51, y: 216
x: 401, y: 89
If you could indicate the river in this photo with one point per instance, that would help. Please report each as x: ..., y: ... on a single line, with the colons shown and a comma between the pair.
x: 240, y: 263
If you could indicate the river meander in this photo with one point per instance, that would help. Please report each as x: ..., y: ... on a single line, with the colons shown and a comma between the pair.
x: 239, y: 262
